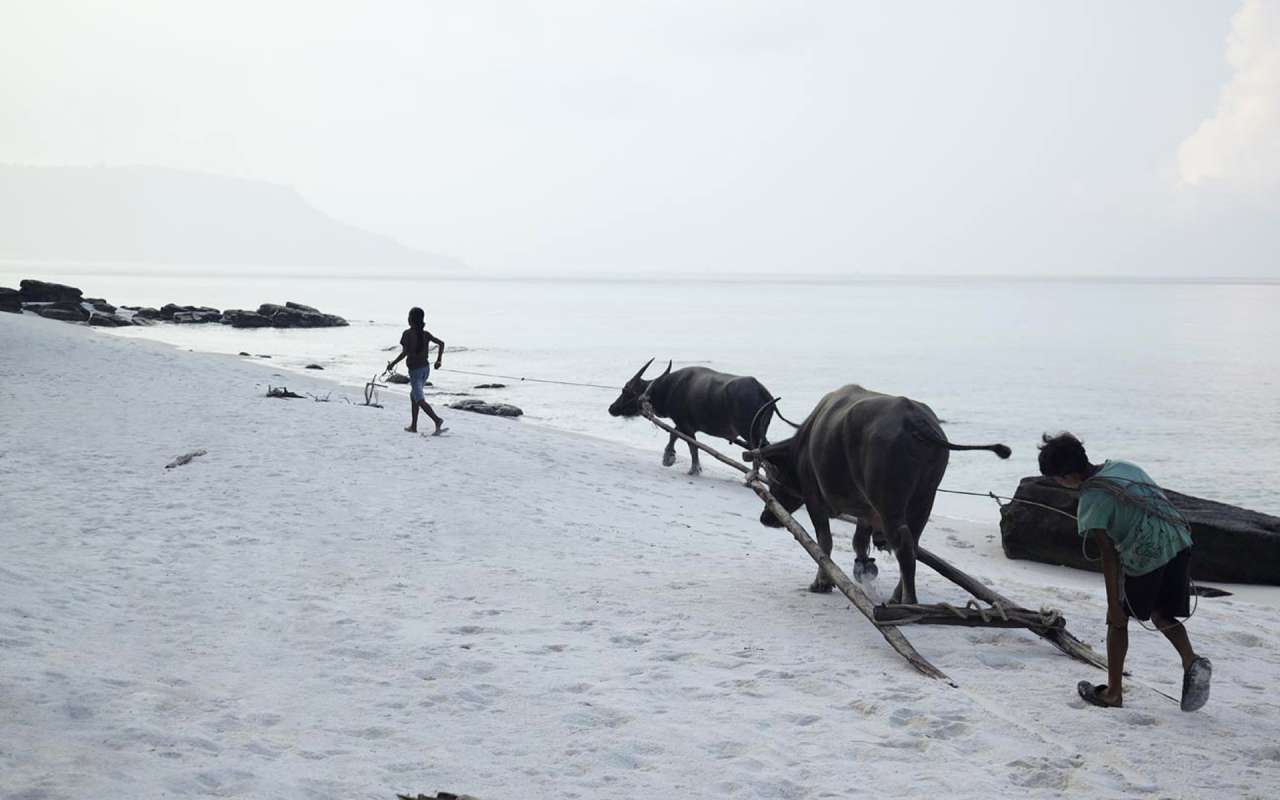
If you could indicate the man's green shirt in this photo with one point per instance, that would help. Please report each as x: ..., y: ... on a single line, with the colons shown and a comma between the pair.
x: 1145, y: 540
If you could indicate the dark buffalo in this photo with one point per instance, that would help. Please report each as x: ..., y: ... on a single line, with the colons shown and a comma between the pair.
x: 701, y: 400
x: 873, y: 456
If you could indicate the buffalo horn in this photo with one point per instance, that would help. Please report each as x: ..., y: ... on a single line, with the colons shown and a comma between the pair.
x: 642, y: 369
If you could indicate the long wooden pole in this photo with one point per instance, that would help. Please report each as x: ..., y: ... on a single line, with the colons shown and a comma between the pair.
x: 833, y: 572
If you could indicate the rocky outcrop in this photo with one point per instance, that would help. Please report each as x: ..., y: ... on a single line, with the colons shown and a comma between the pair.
x: 1232, y: 544
x: 481, y: 407
x: 42, y: 292
x: 57, y: 301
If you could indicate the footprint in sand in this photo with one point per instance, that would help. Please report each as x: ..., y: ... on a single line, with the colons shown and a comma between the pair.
x: 1000, y: 661
x: 1041, y: 772
x: 930, y: 726
x: 1244, y: 639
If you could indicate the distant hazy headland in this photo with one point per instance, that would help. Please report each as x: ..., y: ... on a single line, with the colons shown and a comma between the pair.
x: 167, y: 216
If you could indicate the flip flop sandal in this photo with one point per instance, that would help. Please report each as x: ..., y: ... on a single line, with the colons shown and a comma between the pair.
x: 1195, y: 684
x: 1092, y: 694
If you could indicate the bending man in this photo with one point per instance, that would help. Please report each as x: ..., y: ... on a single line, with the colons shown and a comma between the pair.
x: 1146, y: 558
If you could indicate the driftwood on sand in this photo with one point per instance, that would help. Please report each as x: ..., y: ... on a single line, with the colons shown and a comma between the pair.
x: 1045, y: 623
x: 185, y: 458
x: 281, y: 391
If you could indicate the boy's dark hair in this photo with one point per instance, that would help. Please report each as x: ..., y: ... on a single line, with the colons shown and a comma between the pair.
x: 1062, y: 455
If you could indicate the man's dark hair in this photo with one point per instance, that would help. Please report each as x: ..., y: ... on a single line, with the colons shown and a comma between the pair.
x: 1062, y: 455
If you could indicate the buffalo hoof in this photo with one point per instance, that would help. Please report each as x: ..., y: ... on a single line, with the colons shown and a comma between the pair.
x: 865, y: 569
x: 695, y: 470
x: 820, y: 587
x: 668, y: 458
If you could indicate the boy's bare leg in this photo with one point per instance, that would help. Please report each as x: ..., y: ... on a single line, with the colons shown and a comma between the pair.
x: 413, y: 410
x: 430, y: 413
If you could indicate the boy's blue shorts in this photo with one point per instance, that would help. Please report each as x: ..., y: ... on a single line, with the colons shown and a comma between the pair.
x: 418, y: 379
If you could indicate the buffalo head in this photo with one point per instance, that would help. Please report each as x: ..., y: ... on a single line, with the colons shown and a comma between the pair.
x: 628, y: 403
x: 780, y: 473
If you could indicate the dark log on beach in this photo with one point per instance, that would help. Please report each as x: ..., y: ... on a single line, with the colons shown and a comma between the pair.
x: 10, y: 300
x: 42, y: 292
x: 1231, y: 544
x: 971, y: 616
x: 396, y: 377
x: 491, y: 386
x: 493, y: 409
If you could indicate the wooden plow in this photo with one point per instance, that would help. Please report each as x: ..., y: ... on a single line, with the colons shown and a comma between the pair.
x: 1000, y: 611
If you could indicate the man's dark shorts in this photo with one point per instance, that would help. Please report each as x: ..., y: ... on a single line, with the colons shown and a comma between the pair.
x: 1165, y: 589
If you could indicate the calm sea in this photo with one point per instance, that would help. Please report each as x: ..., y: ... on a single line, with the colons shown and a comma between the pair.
x: 1183, y: 378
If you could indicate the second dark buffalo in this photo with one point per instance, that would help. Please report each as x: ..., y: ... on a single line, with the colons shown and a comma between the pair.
x: 700, y: 400
x: 872, y: 456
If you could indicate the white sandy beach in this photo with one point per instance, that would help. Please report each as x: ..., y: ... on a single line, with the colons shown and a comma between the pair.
x: 326, y: 607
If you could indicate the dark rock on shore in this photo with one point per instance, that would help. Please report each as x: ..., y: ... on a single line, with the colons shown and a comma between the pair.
x: 237, y: 318
x: 490, y: 386
x: 63, y: 312
x: 197, y: 316
x: 1232, y: 544
x: 301, y: 307
x: 313, y: 366
x: 109, y: 320
x: 294, y: 315
x: 42, y: 292
x: 189, y: 314
x: 481, y: 407
x: 396, y: 377
x: 10, y: 300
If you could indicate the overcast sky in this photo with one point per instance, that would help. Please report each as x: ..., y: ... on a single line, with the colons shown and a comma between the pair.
x: 696, y: 137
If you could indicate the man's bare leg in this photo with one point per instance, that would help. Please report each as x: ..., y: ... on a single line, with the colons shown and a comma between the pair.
x: 1177, y: 636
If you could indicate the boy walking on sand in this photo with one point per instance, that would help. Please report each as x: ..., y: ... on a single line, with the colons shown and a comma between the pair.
x: 1146, y: 557
x: 415, y: 344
